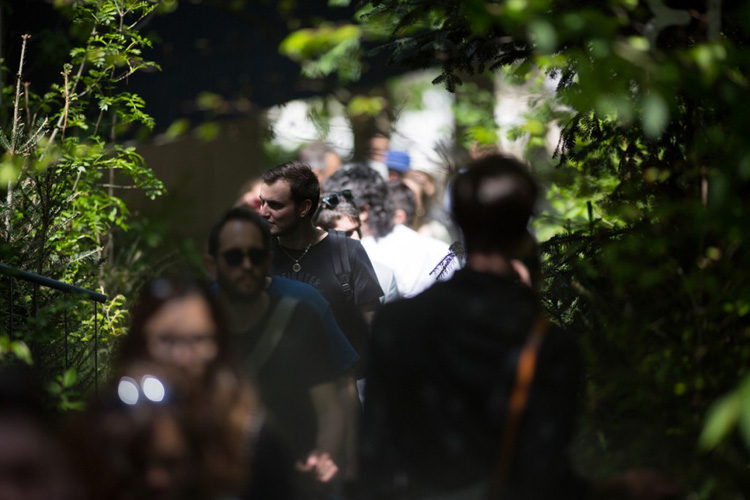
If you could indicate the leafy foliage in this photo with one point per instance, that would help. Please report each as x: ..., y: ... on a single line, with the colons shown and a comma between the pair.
x: 645, y: 236
x: 60, y: 169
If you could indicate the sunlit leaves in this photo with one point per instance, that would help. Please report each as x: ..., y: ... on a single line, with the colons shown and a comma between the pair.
x: 17, y: 349
x: 655, y: 115
x: 177, y: 128
x: 361, y: 105
x: 543, y: 35
x: 730, y: 412
x: 61, y: 175
x: 324, y: 50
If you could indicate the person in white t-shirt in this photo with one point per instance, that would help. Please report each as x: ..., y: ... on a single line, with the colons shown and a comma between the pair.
x: 412, y: 257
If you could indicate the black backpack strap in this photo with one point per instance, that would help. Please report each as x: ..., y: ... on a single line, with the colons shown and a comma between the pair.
x: 341, y: 265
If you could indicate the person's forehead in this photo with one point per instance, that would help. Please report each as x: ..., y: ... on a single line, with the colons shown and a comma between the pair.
x: 276, y: 191
x: 181, y: 315
x: 239, y: 233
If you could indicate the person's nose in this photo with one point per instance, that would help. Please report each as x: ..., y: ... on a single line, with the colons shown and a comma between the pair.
x: 247, y: 263
x: 263, y: 210
x: 183, y: 355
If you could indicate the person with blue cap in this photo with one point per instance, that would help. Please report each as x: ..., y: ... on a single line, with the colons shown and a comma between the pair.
x: 398, y: 163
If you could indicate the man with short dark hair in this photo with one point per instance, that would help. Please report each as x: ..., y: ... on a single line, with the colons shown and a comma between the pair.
x: 443, y: 366
x: 471, y: 393
x: 281, y: 341
x: 335, y: 265
x: 289, y: 198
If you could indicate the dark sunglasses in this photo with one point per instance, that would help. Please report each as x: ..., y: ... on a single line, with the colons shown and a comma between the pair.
x: 331, y: 200
x: 235, y: 256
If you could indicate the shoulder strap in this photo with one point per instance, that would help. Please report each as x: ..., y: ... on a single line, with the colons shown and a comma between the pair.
x: 341, y: 266
x: 272, y: 334
x: 519, y: 396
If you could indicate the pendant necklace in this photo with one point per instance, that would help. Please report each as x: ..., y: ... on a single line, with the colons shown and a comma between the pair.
x: 296, y: 267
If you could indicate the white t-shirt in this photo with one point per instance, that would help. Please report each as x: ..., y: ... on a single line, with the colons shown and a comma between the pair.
x: 411, y: 256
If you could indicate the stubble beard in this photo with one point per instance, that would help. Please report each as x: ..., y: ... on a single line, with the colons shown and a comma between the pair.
x: 235, y: 295
x: 289, y: 230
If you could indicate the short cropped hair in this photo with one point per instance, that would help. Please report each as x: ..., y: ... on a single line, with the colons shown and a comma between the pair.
x: 368, y: 188
x: 492, y: 202
x: 404, y: 199
x: 242, y: 213
x: 303, y: 183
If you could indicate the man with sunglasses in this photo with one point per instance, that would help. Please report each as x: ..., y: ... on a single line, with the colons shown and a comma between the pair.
x: 281, y: 342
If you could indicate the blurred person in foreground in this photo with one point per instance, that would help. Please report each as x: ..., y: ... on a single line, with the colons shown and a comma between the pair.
x: 180, y: 419
x: 471, y: 393
x: 139, y: 438
x: 30, y: 460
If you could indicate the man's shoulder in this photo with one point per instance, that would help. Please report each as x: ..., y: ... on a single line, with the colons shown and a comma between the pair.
x: 292, y: 288
x: 413, y: 310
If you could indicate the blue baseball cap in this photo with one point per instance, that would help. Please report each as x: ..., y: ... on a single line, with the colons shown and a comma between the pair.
x: 397, y: 160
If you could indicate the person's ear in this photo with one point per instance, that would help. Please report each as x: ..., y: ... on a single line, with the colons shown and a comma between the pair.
x: 210, y: 262
x: 522, y: 272
x: 364, y: 213
x: 304, y: 208
x: 399, y: 217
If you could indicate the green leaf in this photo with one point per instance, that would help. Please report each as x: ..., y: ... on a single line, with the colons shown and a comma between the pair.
x: 69, y: 378
x: 208, y: 131
x: 54, y: 388
x: 10, y: 168
x: 22, y: 351
x: 655, y: 115
x: 177, y: 128
x: 543, y: 35
x: 721, y: 419
x: 744, y: 417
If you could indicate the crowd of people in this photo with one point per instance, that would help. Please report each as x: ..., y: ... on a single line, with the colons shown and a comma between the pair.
x: 342, y: 350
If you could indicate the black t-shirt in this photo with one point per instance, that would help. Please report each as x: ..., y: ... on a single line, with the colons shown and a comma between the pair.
x: 442, y: 367
x: 300, y: 361
x: 318, y: 271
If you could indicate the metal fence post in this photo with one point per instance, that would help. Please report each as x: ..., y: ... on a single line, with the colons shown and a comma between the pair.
x: 96, y: 348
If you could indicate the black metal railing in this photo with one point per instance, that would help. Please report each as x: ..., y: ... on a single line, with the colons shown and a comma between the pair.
x: 69, y: 290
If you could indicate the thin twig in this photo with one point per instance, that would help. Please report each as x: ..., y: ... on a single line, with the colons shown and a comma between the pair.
x: 116, y: 186
x: 72, y: 91
x: 35, y: 135
x: 66, y: 109
x: 19, y: 76
x: 26, y: 86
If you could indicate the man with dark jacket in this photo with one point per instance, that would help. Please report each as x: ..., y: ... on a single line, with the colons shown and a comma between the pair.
x: 471, y: 394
